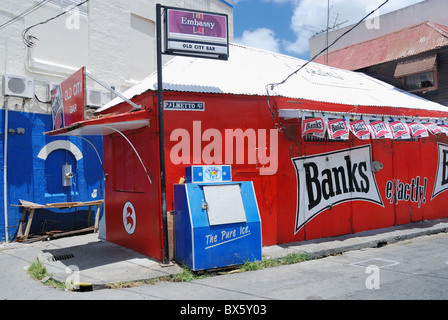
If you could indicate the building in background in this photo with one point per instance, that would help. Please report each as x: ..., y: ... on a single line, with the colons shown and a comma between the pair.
x: 414, y: 59
x: 379, y: 25
x: 406, y: 48
x: 42, y: 43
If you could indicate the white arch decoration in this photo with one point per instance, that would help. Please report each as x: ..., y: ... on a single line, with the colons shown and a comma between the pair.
x: 57, y: 145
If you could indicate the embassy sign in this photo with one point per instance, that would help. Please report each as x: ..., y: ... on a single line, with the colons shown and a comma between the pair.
x: 196, y: 33
x: 328, y: 179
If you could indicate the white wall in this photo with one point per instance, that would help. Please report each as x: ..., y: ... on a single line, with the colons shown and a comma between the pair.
x: 115, y: 41
x: 429, y: 10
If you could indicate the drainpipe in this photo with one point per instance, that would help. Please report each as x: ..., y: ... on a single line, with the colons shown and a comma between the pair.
x: 5, y: 154
x: 5, y: 172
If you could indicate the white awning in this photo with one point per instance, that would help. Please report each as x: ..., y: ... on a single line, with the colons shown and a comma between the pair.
x: 106, y: 125
x: 105, y: 129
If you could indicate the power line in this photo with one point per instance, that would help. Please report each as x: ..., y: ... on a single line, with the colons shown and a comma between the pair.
x: 326, y: 48
x: 272, y: 85
x: 27, y: 40
x: 25, y: 13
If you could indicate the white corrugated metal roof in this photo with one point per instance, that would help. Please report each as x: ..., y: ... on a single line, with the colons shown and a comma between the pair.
x: 249, y: 70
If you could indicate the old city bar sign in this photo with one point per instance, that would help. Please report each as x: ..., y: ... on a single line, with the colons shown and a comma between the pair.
x: 196, y: 33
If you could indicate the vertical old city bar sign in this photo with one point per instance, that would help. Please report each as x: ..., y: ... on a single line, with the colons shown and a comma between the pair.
x: 68, y: 101
x: 187, y: 33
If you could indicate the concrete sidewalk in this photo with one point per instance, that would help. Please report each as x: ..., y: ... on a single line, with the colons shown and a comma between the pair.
x: 99, y: 263
x: 89, y: 262
x: 368, y: 239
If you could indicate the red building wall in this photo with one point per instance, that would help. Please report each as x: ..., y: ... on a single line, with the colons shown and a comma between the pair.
x: 404, y: 186
x: 127, y: 182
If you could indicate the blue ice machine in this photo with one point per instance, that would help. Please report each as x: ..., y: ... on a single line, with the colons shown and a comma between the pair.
x: 216, y: 221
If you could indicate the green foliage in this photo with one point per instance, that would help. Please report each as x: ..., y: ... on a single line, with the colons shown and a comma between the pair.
x: 291, y: 258
x: 37, y: 270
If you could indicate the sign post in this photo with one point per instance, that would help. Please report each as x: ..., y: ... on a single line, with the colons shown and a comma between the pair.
x: 187, y: 33
x: 161, y: 134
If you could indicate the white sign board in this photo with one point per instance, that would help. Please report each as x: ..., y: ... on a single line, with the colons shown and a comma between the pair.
x: 196, y: 33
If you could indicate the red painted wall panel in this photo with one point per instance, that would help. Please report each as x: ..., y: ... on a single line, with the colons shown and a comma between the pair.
x: 412, y: 163
x: 277, y: 195
x: 127, y: 182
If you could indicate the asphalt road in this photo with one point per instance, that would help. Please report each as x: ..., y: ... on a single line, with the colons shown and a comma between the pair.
x: 412, y: 269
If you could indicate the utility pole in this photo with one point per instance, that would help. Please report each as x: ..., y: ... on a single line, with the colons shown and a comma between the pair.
x: 328, y: 28
x: 161, y: 134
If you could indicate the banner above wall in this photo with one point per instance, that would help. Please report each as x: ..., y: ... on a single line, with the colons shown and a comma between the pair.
x: 338, y: 127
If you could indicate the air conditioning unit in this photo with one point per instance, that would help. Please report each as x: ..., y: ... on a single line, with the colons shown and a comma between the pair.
x: 97, y: 98
x: 15, y: 86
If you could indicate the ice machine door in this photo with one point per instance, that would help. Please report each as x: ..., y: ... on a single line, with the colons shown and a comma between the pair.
x: 224, y: 204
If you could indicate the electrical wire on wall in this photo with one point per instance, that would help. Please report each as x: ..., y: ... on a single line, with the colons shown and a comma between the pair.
x: 24, y: 13
x: 28, y: 40
x: 271, y: 86
x: 40, y: 100
x: 132, y: 146
x: 97, y: 153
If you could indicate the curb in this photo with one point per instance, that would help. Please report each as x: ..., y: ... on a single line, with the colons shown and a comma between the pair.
x: 378, y: 243
x: 317, y: 249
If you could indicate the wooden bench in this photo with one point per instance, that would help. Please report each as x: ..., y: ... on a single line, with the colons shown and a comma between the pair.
x: 32, y: 207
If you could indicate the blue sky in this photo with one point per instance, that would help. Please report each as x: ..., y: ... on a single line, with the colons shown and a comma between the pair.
x: 285, y: 26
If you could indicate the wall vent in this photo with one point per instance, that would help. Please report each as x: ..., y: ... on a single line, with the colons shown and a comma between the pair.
x: 97, y: 98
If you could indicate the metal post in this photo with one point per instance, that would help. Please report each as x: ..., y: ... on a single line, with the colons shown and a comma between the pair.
x: 5, y: 152
x: 5, y: 171
x: 161, y: 134
x: 91, y: 76
x: 328, y: 29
